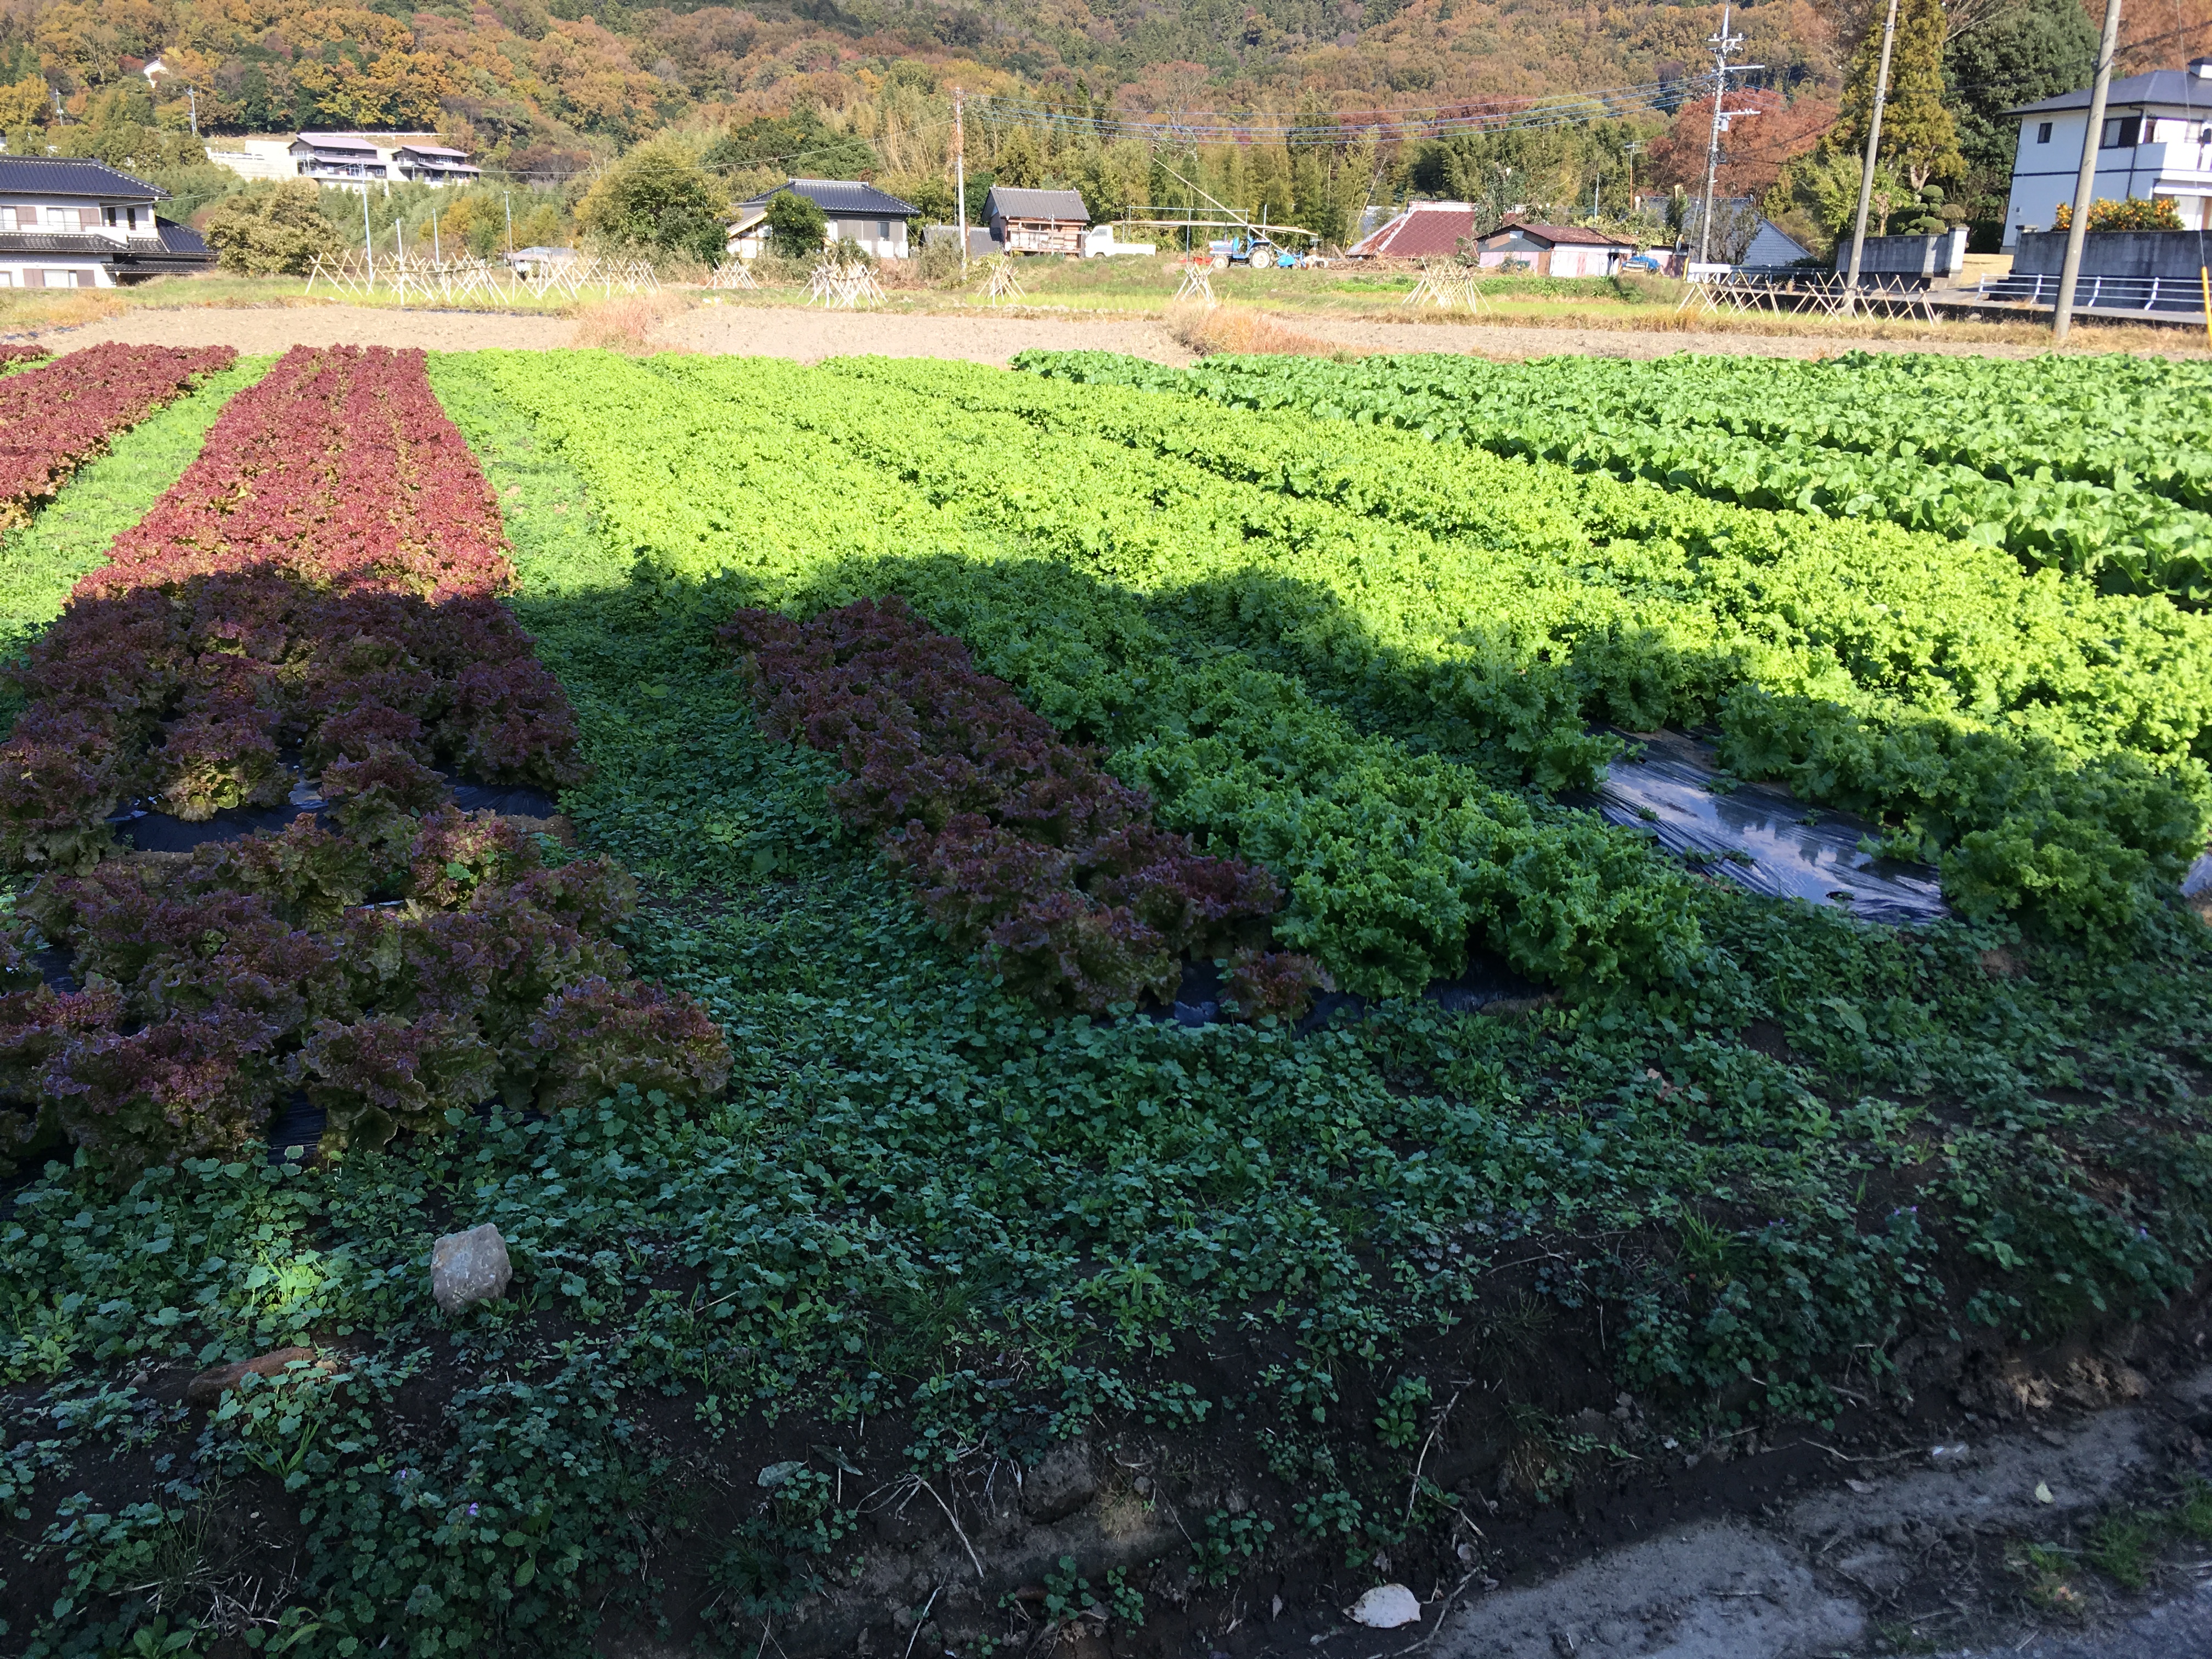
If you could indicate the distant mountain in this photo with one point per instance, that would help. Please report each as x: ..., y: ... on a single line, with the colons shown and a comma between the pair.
x: 527, y: 82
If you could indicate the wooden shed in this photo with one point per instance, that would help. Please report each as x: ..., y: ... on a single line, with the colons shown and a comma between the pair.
x: 1036, y: 220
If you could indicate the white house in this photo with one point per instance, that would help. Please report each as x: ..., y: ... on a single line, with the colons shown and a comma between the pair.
x: 71, y: 223
x: 349, y: 159
x: 858, y: 213
x: 2156, y: 142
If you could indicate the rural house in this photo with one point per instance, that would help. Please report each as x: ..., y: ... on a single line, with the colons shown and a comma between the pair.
x: 347, y: 158
x: 2156, y: 141
x: 858, y: 213
x: 1036, y: 220
x: 1554, y: 249
x: 71, y: 223
x: 1772, y: 247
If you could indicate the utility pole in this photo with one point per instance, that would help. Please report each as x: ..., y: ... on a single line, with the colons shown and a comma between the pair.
x: 368, y: 239
x: 1631, y: 148
x: 960, y: 176
x: 193, y: 99
x: 1873, y: 146
x: 507, y: 196
x: 1725, y: 46
x: 2085, y: 182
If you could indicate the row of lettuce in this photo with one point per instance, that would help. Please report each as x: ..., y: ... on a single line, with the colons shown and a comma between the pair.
x: 1236, y: 603
x: 322, y: 580
x: 2067, y: 463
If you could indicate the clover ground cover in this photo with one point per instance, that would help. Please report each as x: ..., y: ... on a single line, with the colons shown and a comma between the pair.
x: 1326, y: 1290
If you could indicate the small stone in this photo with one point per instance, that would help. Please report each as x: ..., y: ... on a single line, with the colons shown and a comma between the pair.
x: 210, y: 1386
x: 466, y: 1268
x: 1386, y: 1607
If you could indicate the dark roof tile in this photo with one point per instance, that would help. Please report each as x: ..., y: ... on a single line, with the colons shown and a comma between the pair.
x: 60, y: 175
x: 846, y: 197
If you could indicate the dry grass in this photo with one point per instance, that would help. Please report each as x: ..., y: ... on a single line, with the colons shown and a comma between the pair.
x: 626, y: 321
x: 26, y: 309
x: 1230, y: 331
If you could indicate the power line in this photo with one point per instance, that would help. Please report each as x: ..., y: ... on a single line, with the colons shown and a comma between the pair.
x: 1470, y: 115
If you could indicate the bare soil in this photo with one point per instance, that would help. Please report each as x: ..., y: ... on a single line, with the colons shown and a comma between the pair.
x: 731, y: 327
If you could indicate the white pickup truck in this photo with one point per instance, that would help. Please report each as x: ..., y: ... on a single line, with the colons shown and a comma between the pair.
x: 1098, y: 243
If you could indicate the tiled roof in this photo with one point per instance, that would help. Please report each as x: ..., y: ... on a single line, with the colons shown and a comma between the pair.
x: 337, y: 141
x: 179, y: 238
x: 50, y: 175
x: 2158, y: 86
x: 1424, y: 229
x: 841, y: 198
x: 1568, y: 235
x: 1005, y: 202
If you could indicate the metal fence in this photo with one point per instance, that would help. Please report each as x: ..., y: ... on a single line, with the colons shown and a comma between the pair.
x: 2165, y: 294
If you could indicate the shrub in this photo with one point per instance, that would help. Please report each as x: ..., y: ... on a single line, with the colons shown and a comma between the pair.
x: 796, y: 226
x: 275, y: 231
x: 657, y: 199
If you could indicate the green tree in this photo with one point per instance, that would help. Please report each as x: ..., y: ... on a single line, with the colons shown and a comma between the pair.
x: 1019, y: 162
x: 2029, y: 50
x: 276, y: 230
x: 796, y: 227
x: 1918, y: 138
x: 657, y: 199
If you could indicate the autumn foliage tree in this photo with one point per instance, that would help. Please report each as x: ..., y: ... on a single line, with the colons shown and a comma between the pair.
x: 1753, y: 150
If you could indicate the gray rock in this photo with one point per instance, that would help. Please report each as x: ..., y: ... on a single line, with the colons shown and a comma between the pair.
x: 466, y: 1268
x: 1060, y: 1485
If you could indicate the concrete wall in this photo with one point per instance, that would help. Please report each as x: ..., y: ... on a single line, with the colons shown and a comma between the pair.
x: 1908, y: 256
x: 2170, y: 253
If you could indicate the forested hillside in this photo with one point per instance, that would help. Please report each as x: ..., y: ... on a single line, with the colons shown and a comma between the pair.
x: 518, y: 73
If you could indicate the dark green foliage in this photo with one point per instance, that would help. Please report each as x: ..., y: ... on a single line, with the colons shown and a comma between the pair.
x: 799, y: 145
x: 2025, y: 52
x: 656, y: 199
x: 796, y: 225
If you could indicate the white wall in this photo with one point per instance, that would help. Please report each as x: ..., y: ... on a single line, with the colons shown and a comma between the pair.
x: 870, y: 234
x: 2175, y: 163
x: 55, y: 270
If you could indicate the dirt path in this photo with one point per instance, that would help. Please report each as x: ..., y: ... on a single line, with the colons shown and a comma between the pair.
x: 1912, y: 1555
x: 983, y: 338
x: 751, y: 330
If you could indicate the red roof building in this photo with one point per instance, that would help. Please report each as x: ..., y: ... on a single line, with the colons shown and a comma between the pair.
x: 1426, y: 230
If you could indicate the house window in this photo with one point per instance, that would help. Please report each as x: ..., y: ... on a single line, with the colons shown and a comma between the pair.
x: 2123, y: 132
x: 2043, y: 132
x: 883, y: 230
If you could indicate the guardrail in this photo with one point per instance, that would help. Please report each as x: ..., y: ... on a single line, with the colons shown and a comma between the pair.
x: 2165, y: 294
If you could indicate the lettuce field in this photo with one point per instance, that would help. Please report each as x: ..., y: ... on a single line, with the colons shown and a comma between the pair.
x: 1025, y: 964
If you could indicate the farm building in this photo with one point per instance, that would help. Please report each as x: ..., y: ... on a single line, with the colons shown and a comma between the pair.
x: 858, y: 213
x: 1424, y: 230
x: 1771, y: 247
x: 1555, y: 250
x: 71, y: 223
x: 1036, y: 220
